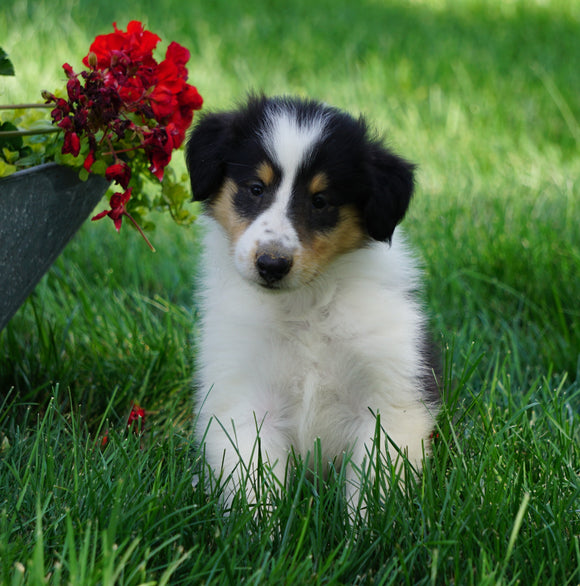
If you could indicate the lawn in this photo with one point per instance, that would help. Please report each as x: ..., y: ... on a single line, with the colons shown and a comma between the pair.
x: 483, y: 95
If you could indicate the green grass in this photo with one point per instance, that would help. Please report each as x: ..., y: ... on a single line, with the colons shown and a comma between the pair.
x: 483, y: 95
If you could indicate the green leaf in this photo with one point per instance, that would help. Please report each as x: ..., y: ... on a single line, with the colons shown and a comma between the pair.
x: 13, y: 143
x: 6, y: 67
x: 99, y: 167
x: 6, y: 169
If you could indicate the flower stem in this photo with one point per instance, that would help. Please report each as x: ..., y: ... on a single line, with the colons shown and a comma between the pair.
x: 24, y: 106
x: 13, y: 133
x: 128, y: 215
x: 128, y: 150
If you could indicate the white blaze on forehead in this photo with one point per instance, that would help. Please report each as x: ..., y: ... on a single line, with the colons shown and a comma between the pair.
x: 289, y: 141
x: 289, y: 144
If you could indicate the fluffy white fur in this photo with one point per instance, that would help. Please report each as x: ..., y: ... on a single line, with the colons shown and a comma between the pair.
x: 317, y: 350
x: 318, y: 360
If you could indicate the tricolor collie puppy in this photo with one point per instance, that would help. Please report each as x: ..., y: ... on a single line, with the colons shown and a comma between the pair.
x: 309, y: 326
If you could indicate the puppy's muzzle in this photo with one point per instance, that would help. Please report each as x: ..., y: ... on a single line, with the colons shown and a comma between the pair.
x: 273, y: 266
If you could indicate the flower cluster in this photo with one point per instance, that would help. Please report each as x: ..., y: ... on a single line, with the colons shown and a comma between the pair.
x: 125, y: 104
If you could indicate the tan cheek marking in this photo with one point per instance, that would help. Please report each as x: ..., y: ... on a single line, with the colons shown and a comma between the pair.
x: 265, y: 173
x: 222, y: 209
x: 319, y: 183
x: 348, y: 235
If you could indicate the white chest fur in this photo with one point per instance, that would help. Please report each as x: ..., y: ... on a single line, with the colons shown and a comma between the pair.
x: 316, y: 362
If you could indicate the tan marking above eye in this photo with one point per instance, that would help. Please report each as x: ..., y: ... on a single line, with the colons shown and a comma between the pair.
x: 222, y: 209
x: 318, y: 183
x: 265, y: 173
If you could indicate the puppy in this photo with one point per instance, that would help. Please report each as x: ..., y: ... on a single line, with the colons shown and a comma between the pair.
x: 309, y: 326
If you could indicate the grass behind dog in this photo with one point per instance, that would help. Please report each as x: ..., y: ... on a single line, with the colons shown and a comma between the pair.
x: 483, y: 95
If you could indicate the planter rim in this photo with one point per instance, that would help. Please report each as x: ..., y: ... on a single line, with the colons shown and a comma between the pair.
x: 41, y: 167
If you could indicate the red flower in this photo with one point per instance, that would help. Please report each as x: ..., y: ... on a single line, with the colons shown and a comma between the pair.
x: 72, y: 144
x: 118, y: 202
x: 73, y: 88
x: 66, y: 124
x: 132, y: 90
x: 68, y: 70
x: 178, y: 55
x: 188, y: 100
x: 172, y: 98
x: 159, y: 145
x: 118, y: 209
x: 163, y: 96
x: 62, y: 108
x: 89, y: 161
x: 126, y: 102
x: 119, y: 172
x: 105, y: 439
x: 121, y: 48
x: 136, y: 418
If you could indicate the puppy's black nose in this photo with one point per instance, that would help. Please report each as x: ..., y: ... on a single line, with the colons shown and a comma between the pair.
x: 273, y: 267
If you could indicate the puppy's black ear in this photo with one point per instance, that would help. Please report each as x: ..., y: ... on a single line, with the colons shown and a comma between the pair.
x: 392, y: 186
x: 205, y: 154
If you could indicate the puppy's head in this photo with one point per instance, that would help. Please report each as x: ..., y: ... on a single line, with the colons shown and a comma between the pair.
x: 295, y: 184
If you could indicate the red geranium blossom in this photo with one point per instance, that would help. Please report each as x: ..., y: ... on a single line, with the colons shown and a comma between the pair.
x: 122, y: 48
x: 136, y: 418
x: 189, y: 100
x: 89, y: 161
x: 105, y: 439
x: 159, y: 145
x: 72, y: 144
x: 118, y: 203
x: 117, y: 211
x: 135, y: 423
x: 73, y: 88
x: 124, y: 104
x: 119, y: 172
x: 170, y: 81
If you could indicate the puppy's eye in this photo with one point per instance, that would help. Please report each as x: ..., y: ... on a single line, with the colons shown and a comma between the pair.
x: 257, y: 189
x: 319, y: 201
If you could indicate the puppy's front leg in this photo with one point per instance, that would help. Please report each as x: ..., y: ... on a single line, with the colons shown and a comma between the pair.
x: 373, y: 455
x: 245, y: 453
